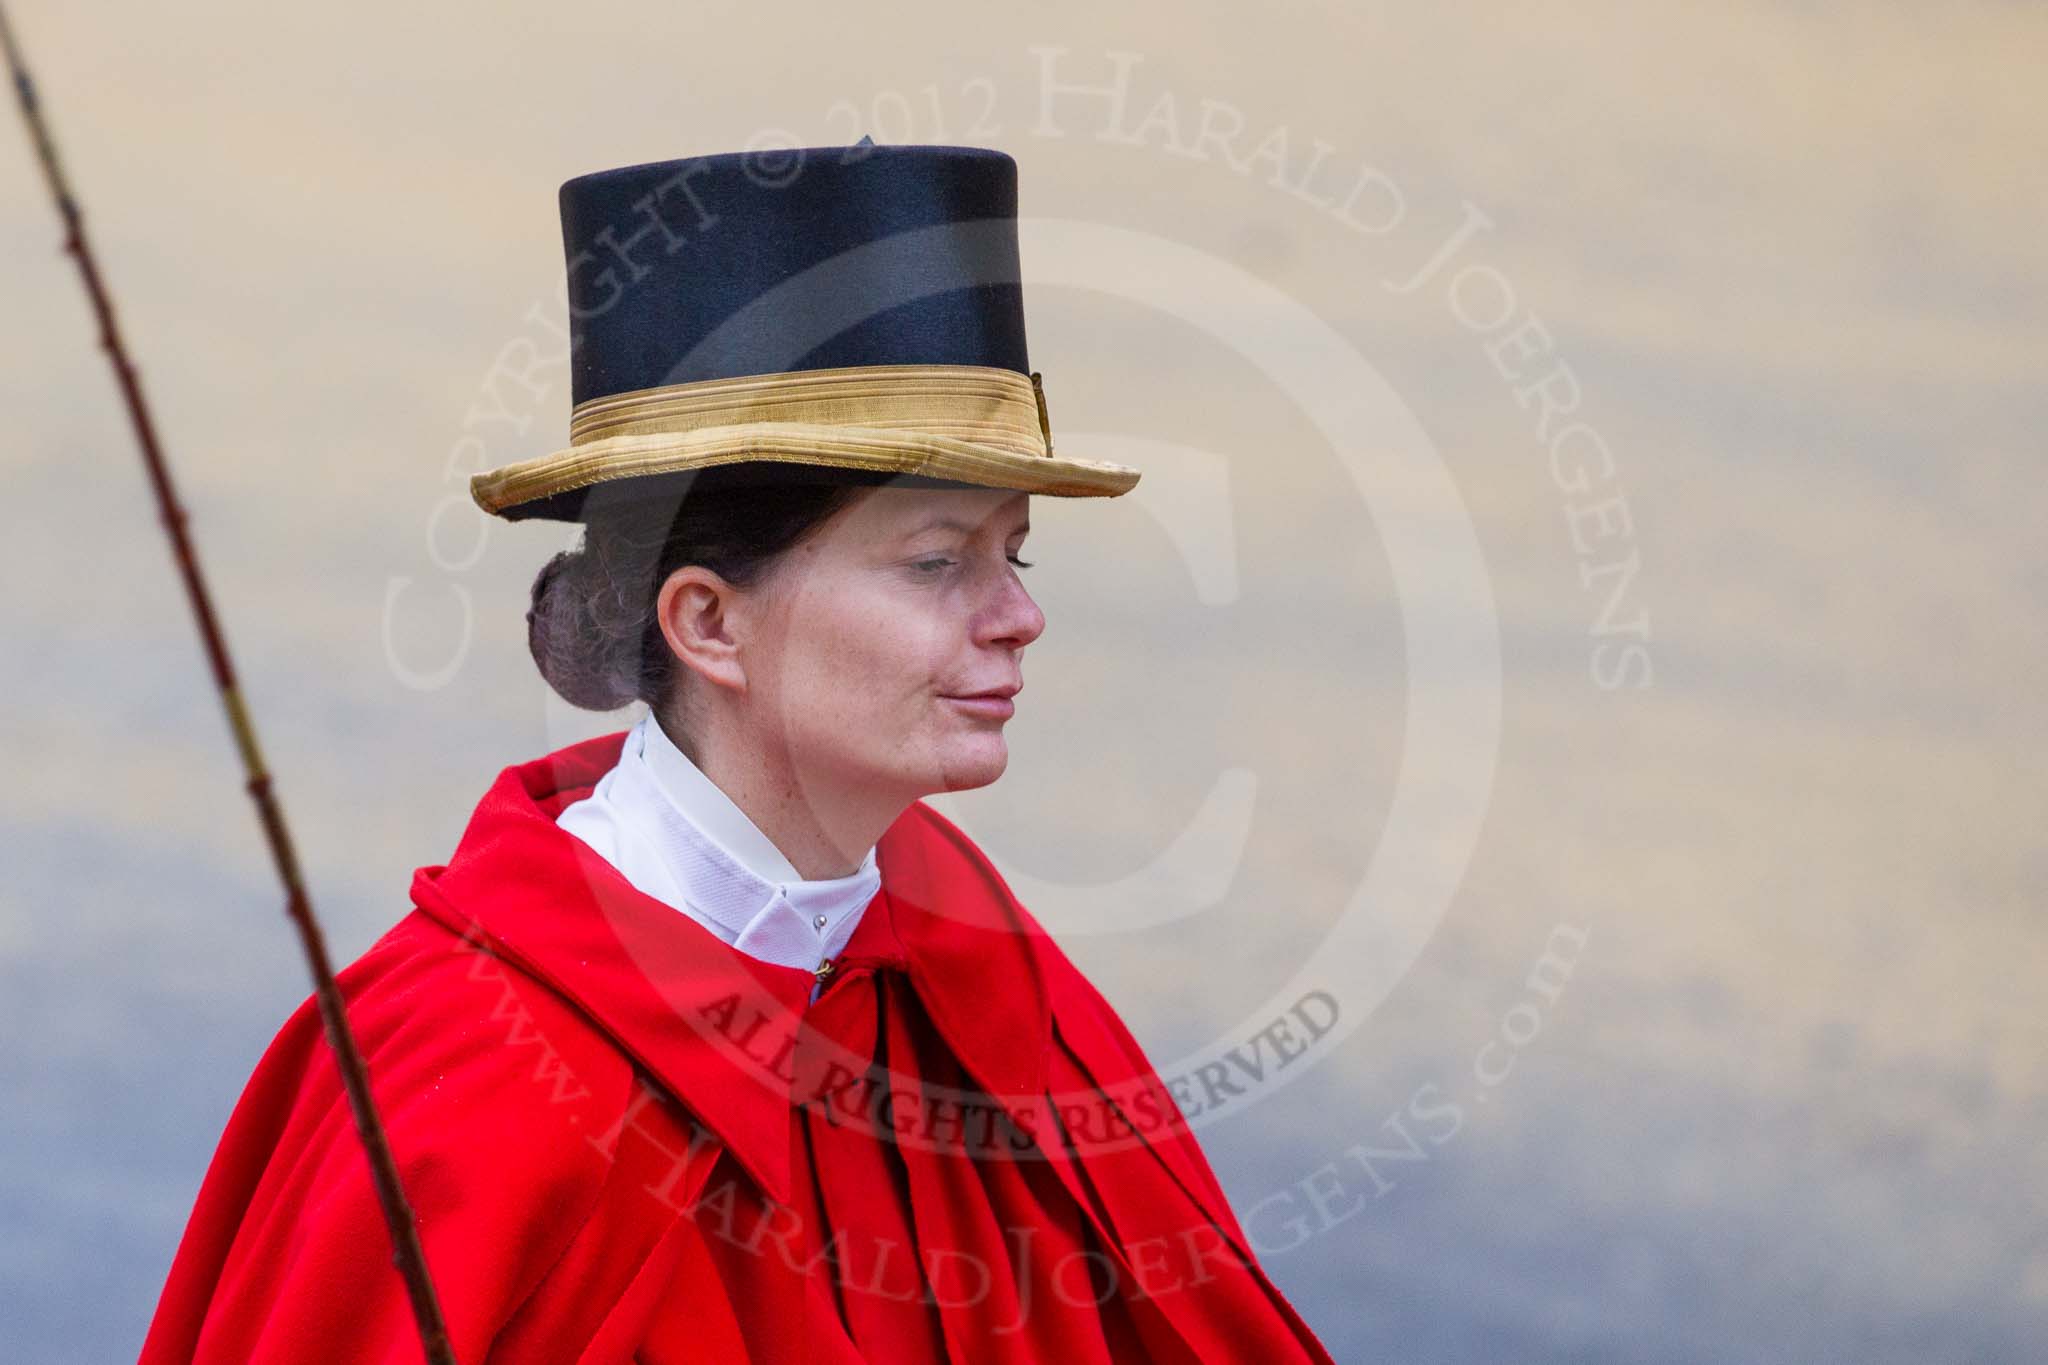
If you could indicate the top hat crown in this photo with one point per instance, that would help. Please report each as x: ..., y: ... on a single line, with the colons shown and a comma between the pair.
x: 853, y: 307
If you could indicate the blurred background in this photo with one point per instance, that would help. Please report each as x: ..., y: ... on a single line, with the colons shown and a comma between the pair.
x: 1647, y: 397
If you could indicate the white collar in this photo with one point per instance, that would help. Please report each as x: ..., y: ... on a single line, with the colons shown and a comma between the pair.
x: 706, y: 803
x: 674, y: 834
x: 715, y: 815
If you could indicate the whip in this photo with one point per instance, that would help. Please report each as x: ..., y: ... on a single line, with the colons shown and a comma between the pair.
x: 398, y: 1217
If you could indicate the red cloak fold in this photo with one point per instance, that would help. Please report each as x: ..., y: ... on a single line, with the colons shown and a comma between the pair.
x: 626, y: 1141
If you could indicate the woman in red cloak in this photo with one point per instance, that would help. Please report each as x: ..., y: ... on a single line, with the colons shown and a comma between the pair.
x: 712, y: 1041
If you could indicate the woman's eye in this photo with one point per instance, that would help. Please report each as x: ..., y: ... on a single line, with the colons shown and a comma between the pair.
x: 938, y: 564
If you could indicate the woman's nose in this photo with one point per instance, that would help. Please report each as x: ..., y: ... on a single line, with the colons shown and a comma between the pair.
x: 1013, y: 619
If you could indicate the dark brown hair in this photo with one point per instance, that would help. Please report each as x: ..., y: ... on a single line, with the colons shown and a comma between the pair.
x: 592, y: 626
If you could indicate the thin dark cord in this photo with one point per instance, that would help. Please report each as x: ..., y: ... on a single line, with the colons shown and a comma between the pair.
x: 408, y: 1255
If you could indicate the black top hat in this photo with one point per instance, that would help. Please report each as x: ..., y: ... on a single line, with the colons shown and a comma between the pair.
x: 847, y: 307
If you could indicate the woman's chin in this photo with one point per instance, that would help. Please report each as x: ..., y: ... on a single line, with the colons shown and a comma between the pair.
x: 975, y: 763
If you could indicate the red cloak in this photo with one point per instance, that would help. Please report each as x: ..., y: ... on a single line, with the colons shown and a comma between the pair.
x: 626, y: 1141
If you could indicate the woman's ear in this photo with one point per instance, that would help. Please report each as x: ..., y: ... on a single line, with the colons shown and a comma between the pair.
x: 696, y: 609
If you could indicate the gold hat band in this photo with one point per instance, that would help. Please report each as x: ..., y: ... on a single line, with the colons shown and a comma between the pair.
x: 973, y: 424
x: 985, y: 405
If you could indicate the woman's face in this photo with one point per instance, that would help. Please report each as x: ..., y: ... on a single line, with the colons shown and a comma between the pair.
x: 883, y: 651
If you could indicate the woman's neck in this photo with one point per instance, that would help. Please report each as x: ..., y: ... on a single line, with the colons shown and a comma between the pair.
x: 824, y: 828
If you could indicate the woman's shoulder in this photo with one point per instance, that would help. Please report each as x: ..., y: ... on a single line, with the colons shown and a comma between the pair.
x: 520, y: 1133
x: 942, y: 860
x: 464, y: 1035
x: 483, y: 1078
x: 927, y: 857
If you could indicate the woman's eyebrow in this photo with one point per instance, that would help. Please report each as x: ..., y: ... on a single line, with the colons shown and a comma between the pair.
x: 955, y: 524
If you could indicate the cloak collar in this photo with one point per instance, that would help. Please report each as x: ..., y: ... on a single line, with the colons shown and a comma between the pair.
x: 715, y: 1027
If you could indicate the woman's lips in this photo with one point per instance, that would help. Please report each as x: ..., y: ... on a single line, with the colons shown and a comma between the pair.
x: 988, y: 705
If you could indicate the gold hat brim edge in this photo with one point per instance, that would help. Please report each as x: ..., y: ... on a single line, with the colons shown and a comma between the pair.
x: 876, y: 449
